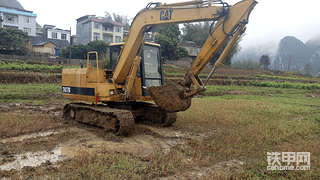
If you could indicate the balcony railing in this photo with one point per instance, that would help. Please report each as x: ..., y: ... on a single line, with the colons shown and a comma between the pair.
x: 107, y: 30
x: 10, y: 22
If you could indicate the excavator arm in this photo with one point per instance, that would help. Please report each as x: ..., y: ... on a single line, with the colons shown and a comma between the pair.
x: 229, y: 21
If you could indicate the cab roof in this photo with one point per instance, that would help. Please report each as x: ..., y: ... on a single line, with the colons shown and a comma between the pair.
x: 148, y: 43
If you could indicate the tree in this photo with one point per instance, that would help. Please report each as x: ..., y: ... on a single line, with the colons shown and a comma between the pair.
x: 275, y: 63
x: 199, y: 33
x: 307, y: 69
x: 100, y: 46
x: 13, y: 41
x: 168, y: 46
x: 122, y: 19
x: 108, y: 17
x: 265, y: 61
x: 289, y: 59
x: 168, y: 38
x: 170, y: 31
x: 118, y: 18
x: 183, y: 52
x: 80, y: 51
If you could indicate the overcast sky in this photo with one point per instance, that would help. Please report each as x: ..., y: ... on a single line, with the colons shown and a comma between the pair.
x: 269, y: 22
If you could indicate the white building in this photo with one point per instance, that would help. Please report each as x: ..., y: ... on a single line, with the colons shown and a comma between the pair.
x: 51, y: 32
x: 91, y: 28
x: 17, y: 17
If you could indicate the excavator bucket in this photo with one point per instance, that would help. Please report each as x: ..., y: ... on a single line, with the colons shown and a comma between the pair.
x: 172, y: 97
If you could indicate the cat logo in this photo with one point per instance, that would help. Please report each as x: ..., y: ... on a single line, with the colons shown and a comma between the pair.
x: 166, y: 15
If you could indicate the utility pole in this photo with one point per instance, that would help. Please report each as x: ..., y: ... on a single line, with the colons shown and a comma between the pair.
x: 70, y: 48
x: 1, y: 22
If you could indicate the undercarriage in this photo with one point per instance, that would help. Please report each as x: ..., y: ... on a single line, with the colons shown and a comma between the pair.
x: 119, y: 118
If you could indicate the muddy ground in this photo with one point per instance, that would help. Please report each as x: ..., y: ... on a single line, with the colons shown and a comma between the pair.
x: 71, y: 137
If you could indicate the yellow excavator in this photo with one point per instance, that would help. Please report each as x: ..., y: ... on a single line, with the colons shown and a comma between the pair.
x: 135, y: 74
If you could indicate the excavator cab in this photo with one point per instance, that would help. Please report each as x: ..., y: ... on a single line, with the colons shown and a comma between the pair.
x: 150, y: 69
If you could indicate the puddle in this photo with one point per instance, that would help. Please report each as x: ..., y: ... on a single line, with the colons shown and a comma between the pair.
x: 143, y: 144
x: 29, y: 136
x: 137, y: 144
x: 33, y: 159
x: 179, y: 134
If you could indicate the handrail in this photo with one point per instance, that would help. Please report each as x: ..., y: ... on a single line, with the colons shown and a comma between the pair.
x: 94, y: 52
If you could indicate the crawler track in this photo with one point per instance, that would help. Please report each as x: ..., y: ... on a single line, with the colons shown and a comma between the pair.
x: 119, y: 117
x: 118, y: 121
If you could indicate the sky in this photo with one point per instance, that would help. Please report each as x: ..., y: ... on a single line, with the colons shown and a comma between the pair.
x: 269, y: 22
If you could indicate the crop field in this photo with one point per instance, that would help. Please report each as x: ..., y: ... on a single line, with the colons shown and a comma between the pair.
x: 225, y: 134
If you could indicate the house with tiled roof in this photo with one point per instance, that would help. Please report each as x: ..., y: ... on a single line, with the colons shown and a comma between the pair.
x: 91, y: 28
x: 47, y: 45
x: 51, y: 40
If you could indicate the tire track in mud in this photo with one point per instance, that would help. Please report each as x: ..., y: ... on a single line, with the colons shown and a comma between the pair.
x: 144, y: 139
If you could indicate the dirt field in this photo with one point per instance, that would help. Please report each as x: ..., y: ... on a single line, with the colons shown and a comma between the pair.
x: 145, y: 140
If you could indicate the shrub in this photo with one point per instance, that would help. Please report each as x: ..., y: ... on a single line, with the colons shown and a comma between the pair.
x: 289, y: 85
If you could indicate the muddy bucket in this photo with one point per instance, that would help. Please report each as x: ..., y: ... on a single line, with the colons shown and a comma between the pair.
x: 171, y: 97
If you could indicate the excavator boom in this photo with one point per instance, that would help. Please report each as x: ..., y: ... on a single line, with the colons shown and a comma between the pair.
x: 231, y: 22
x: 193, y: 11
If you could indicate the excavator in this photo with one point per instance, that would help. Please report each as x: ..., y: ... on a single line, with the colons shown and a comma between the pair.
x: 117, y: 97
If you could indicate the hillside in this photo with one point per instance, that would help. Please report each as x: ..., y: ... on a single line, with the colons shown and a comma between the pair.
x: 11, y: 3
x: 293, y: 55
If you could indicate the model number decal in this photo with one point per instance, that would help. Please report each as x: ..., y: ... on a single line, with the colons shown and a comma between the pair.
x: 166, y: 15
x: 66, y: 89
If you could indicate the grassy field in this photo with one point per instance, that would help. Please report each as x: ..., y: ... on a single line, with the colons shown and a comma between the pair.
x: 252, y: 125
x: 240, y: 123
x: 29, y: 93
x: 243, y: 127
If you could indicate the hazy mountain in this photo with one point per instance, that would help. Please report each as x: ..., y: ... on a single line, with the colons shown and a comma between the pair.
x: 313, y: 44
x: 290, y: 54
x: 293, y: 54
x: 11, y: 3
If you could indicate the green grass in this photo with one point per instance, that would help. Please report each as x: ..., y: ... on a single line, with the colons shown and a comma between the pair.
x: 102, y: 164
x: 20, y: 123
x: 284, y: 77
x: 251, y: 127
x: 287, y: 85
x: 240, y: 127
x: 240, y: 123
x: 165, y: 72
x: 34, y: 93
x: 284, y: 96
